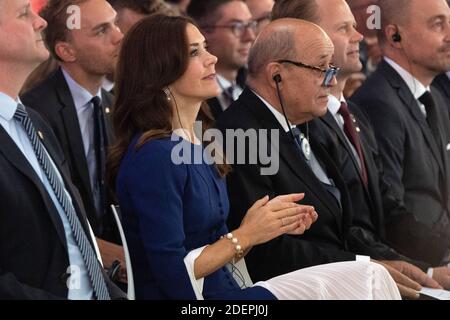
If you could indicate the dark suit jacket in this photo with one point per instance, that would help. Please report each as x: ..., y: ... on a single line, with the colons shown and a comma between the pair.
x: 33, y: 248
x: 416, y: 199
x: 53, y: 100
x: 367, y: 233
x: 442, y: 83
x: 326, y: 240
x: 214, y: 104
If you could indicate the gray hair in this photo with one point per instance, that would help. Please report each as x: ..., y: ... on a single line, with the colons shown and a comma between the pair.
x: 278, y: 45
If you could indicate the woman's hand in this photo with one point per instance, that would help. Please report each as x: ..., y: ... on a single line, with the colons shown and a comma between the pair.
x: 266, y: 220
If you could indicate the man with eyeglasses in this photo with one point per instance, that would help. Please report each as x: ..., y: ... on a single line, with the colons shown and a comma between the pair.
x: 290, y: 78
x: 261, y: 11
x: 230, y: 31
x: 347, y: 135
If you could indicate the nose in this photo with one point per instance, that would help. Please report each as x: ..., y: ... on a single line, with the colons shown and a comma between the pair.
x: 39, y: 24
x: 117, y: 35
x: 333, y: 82
x: 249, y: 35
x: 358, y: 37
x: 210, y: 59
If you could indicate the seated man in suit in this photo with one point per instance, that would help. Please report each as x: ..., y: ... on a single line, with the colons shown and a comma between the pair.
x: 78, y: 110
x: 284, y: 61
x: 347, y: 135
x: 442, y: 83
x: 412, y: 128
x: 230, y: 31
x: 47, y: 249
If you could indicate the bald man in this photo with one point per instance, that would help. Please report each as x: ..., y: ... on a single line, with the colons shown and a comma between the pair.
x: 289, y: 57
x: 355, y: 156
x: 412, y: 128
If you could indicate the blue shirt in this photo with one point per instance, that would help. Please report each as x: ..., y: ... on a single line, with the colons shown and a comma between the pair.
x: 17, y: 133
x: 85, y: 112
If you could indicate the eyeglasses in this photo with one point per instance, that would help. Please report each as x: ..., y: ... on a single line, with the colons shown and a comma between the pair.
x: 238, y: 28
x: 330, y: 73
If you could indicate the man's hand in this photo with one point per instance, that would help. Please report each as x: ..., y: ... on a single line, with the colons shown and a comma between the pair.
x: 110, y: 252
x: 414, y: 273
x: 408, y: 288
x: 442, y: 275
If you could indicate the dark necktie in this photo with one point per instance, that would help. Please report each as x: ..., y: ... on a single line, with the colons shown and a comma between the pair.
x: 432, y: 117
x: 228, y: 95
x: 87, y: 252
x: 100, y: 143
x: 353, y: 137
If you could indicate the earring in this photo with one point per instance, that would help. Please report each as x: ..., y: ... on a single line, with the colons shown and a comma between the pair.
x: 167, y: 93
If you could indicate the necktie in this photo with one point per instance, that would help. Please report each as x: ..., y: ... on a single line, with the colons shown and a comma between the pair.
x: 86, y: 250
x: 352, y: 135
x: 432, y: 117
x: 228, y: 95
x: 316, y: 167
x: 100, y: 144
x: 302, y: 144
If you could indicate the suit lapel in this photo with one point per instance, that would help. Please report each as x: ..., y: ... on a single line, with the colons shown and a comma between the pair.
x: 287, y: 150
x: 215, y: 107
x: 329, y: 120
x: 72, y: 127
x: 17, y: 159
x: 411, y: 104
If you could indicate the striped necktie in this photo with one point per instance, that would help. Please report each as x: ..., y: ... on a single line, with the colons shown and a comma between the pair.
x: 87, y: 252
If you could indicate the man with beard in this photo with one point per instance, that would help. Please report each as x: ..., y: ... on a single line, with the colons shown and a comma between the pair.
x: 412, y: 128
x: 72, y: 101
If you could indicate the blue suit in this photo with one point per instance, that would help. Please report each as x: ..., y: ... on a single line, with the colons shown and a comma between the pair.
x: 169, y: 210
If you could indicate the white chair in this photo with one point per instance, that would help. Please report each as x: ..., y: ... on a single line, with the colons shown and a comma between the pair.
x: 130, y: 292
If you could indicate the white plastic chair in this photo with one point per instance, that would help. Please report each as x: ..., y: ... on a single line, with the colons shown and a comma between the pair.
x: 130, y: 292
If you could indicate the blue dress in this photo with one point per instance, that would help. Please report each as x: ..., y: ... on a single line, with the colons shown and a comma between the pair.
x: 169, y: 209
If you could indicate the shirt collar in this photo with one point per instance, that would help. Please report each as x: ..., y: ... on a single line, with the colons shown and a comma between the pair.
x: 224, y: 83
x: 278, y: 115
x: 80, y: 95
x: 334, y: 104
x: 8, y: 106
x: 414, y: 85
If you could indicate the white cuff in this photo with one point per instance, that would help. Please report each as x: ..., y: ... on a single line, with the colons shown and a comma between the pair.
x: 362, y: 258
x: 430, y: 272
x: 197, y: 284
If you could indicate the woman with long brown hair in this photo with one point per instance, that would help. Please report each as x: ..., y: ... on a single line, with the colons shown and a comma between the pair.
x: 170, y: 208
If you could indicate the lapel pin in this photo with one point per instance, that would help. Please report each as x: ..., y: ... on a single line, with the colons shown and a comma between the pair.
x: 358, y: 129
x: 40, y: 135
x: 107, y: 110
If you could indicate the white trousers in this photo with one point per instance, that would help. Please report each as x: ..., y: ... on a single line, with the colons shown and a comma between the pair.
x: 350, y: 280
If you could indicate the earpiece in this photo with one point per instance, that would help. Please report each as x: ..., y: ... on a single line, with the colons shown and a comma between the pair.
x: 277, y: 78
x: 396, y: 37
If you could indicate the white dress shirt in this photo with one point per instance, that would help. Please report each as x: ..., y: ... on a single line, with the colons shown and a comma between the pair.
x: 224, y: 84
x: 17, y: 133
x: 414, y: 85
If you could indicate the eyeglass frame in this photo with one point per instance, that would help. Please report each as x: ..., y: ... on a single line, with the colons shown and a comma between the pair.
x: 252, y: 24
x: 330, y: 73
